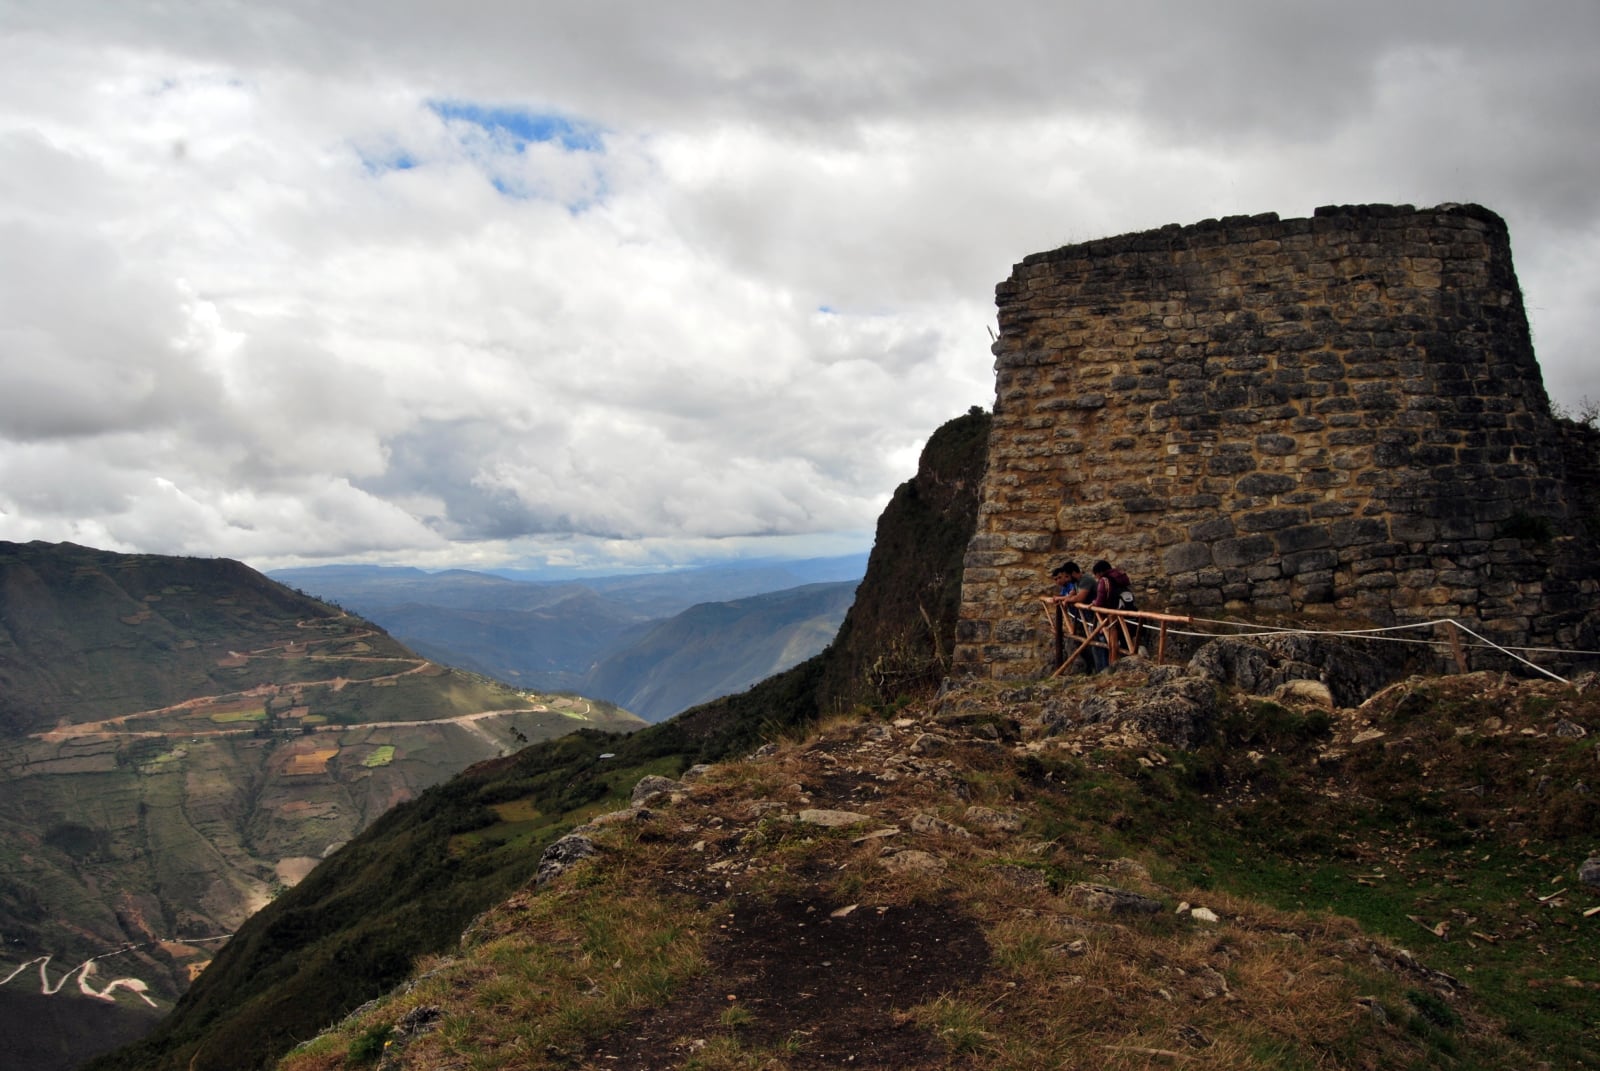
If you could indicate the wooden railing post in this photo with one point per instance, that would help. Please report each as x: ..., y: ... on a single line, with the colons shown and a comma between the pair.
x: 1061, y: 639
x: 1110, y: 626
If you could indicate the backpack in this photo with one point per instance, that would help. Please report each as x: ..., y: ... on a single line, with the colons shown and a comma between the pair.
x: 1121, y: 590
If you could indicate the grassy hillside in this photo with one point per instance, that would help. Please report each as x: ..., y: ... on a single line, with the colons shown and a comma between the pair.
x: 1147, y: 868
x: 183, y: 739
x: 88, y: 634
x: 1031, y: 878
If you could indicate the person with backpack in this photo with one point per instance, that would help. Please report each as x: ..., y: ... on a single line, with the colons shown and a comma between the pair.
x: 1114, y: 591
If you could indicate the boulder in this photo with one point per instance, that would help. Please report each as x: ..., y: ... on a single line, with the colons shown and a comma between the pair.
x: 561, y: 855
x: 930, y: 824
x: 653, y: 785
x: 1351, y: 670
x: 1113, y: 900
x: 1179, y: 712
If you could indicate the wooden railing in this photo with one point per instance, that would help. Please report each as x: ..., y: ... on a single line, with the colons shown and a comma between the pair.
x: 1115, y: 631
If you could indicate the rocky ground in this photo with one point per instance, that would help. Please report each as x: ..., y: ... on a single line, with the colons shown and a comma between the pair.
x: 1152, y: 867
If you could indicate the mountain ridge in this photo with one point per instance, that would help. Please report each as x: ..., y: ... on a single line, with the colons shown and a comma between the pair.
x: 181, y: 739
x: 688, y: 659
x: 636, y: 640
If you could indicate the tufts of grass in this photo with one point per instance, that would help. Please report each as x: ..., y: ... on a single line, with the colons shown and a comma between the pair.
x: 369, y: 1045
x: 959, y: 1025
x: 559, y: 969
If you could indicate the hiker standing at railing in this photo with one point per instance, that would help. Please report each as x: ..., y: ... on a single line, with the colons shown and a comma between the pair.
x: 1114, y: 591
x: 1075, y: 591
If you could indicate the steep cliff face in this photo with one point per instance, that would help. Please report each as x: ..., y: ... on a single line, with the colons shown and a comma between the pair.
x: 899, y: 635
x: 1334, y: 417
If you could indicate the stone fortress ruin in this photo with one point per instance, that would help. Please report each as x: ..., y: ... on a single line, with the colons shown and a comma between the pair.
x: 1334, y: 421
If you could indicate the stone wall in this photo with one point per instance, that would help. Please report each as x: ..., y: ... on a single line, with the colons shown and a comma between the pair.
x: 1334, y: 420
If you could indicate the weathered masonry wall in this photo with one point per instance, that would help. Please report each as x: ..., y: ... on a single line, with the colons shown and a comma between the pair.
x: 1337, y: 419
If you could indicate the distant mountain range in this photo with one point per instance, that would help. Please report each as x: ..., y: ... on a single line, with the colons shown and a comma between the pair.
x: 181, y: 739
x: 653, y: 644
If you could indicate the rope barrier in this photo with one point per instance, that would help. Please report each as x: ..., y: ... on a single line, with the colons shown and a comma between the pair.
x: 1353, y: 636
x: 1378, y: 633
x: 1484, y: 643
x: 1268, y: 630
x: 1507, y: 651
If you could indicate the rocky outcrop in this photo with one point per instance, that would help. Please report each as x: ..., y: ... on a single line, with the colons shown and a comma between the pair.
x: 561, y: 855
x: 1351, y: 669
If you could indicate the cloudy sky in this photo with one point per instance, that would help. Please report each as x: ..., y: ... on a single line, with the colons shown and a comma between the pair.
x: 494, y: 283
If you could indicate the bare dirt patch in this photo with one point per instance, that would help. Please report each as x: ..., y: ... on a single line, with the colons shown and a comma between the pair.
x: 307, y: 761
x: 308, y: 809
x: 829, y: 991
x: 292, y: 871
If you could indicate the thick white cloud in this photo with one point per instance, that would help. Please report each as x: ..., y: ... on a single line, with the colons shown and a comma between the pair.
x: 463, y: 283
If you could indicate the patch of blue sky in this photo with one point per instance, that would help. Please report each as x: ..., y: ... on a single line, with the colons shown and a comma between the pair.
x: 517, y: 128
x: 576, y: 200
x: 380, y: 163
x: 527, y: 154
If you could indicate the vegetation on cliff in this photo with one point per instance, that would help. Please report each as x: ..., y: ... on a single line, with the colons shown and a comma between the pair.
x: 411, y: 883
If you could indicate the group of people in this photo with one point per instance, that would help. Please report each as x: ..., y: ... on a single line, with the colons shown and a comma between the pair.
x: 1110, y: 588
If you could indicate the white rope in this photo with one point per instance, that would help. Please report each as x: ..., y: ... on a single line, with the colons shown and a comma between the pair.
x: 1324, y: 632
x: 1270, y: 630
x: 1307, y: 632
x: 1376, y: 634
x: 1507, y: 651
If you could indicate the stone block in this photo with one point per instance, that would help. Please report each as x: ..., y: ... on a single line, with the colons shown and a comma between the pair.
x: 1358, y: 531
x: 1268, y: 520
x: 1015, y: 630
x: 1413, y: 529
x: 970, y: 631
x: 1314, y: 587
x: 1309, y: 561
x: 1211, y: 530
x: 1186, y: 557
x: 1243, y: 551
x: 1265, y: 483
x: 1229, y: 464
x: 1302, y: 537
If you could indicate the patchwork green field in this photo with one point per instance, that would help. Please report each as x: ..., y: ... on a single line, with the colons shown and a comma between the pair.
x: 162, y: 777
